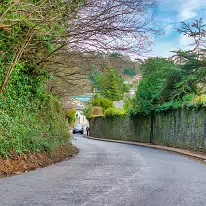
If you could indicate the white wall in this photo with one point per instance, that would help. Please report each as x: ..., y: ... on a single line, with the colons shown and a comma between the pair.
x: 81, y: 119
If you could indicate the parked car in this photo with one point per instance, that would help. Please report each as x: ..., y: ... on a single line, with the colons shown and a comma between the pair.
x: 78, y: 129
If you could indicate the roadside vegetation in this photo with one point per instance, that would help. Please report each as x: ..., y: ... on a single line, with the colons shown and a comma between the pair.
x: 167, y: 84
x: 109, y: 84
x: 32, y: 120
x: 32, y: 32
x: 170, y: 84
x: 71, y: 116
x: 35, y: 34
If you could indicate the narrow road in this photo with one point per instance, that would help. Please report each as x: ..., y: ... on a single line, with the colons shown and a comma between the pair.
x: 110, y: 174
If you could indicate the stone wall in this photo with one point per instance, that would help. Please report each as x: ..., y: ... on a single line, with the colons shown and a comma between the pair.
x: 182, y: 128
x: 131, y: 129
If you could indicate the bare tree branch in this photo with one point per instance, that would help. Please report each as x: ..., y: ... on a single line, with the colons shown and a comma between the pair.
x: 125, y: 26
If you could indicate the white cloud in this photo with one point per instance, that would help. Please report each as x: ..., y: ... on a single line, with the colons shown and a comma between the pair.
x: 189, y: 8
x: 164, y: 49
x: 183, y: 9
x: 187, y: 14
x: 171, y: 12
x: 186, y: 41
x: 168, y: 29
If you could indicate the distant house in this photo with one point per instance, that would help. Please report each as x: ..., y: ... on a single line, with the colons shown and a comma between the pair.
x: 80, y: 117
x: 78, y: 103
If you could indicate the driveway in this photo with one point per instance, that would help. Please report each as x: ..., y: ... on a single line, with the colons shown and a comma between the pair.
x: 110, y: 174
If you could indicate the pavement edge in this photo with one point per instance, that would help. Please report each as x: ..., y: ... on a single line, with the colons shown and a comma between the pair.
x: 188, y: 153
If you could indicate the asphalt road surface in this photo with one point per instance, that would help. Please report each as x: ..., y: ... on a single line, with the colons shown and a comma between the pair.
x: 110, y: 174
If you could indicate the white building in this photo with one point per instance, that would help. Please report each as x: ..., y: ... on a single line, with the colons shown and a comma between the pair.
x: 81, y: 118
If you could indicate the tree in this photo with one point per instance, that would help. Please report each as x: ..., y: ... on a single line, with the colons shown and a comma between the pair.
x: 193, y: 78
x: 130, y: 71
x: 194, y: 63
x: 167, y: 84
x: 32, y: 31
x: 105, y: 30
x: 78, y: 73
x: 157, y: 84
x: 112, y: 85
x: 164, y: 82
x: 159, y: 80
x: 112, y: 26
x: 28, y: 31
x: 70, y: 74
x: 197, y: 31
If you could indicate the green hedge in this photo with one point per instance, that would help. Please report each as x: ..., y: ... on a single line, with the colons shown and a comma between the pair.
x: 104, y: 103
x: 113, y: 113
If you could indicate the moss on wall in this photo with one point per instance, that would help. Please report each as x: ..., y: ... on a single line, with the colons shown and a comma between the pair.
x: 131, y: 129
x: 181, y: 128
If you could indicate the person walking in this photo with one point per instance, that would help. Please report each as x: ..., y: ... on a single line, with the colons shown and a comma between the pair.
x: 88, y: 130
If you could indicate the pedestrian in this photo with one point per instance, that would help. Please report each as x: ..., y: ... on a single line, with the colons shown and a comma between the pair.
x: 88, y: 130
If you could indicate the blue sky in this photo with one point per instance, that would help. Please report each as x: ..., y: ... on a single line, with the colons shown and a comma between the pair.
x: 169, y: 14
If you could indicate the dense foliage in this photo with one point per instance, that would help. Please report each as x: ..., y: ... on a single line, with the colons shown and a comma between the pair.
x: 102, y: 107
x: 97, y: 106
x: 166, y: 86
x: 113, y: 113
x: 109, y: 84
x: 29, y: 33
x: 31, y: 120
x: 71, y: 115
x: 130, y: 71
x: 104, y: 103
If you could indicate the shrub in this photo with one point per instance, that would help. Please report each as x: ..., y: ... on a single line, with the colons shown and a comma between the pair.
x: 200, y: 99
x: 111, y: 85
x: 130, y: 71
x: 31, y: 127
x: 88, y: 111
x: 104, y: 103
x: 128, y: 103
x: 169, y: 106
x: 97, y: 112
x: 113, y: 113
x: 195, y: 101
x: 71, y: 115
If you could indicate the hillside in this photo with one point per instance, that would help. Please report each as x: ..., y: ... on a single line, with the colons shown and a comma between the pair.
x: 71, y: 71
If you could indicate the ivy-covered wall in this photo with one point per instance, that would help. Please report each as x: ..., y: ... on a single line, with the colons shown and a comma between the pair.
x: 131, y: 129
x: 181, y: 128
